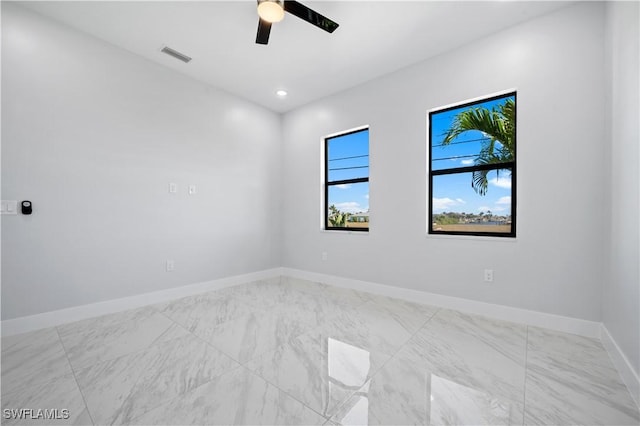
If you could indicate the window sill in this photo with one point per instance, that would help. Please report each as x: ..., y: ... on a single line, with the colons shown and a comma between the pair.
x: 335, y: 231
x: 472, y: 237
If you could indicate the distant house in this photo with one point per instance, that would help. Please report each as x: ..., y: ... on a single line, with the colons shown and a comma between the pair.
x: 358, y: 220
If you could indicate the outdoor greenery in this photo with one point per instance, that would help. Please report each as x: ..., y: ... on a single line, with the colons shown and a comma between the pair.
x: 498, y: 125
x: 340, y: 219
x: 454, y: 218
x: 337, y: 218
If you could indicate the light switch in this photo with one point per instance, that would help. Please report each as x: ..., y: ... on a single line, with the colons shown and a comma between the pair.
x: 192, y: 189
x: 9, y: 207
x: 173, y: 188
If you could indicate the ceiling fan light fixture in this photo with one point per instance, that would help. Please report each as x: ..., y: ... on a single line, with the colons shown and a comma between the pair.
x: 271, y: 10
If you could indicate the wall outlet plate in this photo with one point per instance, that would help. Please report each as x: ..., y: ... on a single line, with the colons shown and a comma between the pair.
x: 9, y: 207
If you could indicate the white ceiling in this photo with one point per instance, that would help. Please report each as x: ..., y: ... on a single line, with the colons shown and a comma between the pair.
x: 374, y: 38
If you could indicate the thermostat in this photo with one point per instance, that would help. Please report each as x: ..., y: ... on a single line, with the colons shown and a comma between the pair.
x: 26, y: 207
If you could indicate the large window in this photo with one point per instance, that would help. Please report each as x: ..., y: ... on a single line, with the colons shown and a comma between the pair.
x: 346, y: 185
x: 472, y: 168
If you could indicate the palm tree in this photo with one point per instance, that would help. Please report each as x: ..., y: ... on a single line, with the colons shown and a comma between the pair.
x: 336, y: 217
x: 498, y: 125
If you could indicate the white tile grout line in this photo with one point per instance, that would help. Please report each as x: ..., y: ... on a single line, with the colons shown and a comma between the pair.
x: 240, y: 364
x: 622, y: 365
x: 66, y: 355
x: 437, y: 310
x: 526, y: 368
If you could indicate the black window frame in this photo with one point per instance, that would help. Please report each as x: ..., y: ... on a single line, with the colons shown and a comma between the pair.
x: 459, y: 170
x: 328, y: 183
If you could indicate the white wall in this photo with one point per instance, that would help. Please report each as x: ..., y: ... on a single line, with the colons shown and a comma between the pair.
x: 92, y: 135
x: 621, y: 290
x: 555, y: 265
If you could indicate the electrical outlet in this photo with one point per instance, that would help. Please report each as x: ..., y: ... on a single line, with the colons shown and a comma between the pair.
x: 170, y: 266
x: 173, y: 188
x: 324, y: 255
x: 488, y: 275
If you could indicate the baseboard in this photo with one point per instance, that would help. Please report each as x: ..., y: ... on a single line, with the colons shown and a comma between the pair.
x: 507, y: 313
x: 622, y: 364
x: 77, y: 313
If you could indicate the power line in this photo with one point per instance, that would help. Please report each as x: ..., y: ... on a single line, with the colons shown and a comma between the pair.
x: 348, y: 158
x: 454, y: 158
x: 349, y: 168
x: 460, y: 142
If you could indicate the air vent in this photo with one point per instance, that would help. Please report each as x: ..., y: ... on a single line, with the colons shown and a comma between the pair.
x: 169, y: 51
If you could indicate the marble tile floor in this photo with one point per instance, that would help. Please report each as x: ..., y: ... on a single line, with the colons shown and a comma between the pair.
x: 288, y: 351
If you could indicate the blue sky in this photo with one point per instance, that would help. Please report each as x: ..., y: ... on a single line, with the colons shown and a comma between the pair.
x: 453, y: 193
x: 349, y: 159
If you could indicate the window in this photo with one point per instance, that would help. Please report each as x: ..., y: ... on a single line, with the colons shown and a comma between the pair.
x: 346, y: 181
x: 472, y: 168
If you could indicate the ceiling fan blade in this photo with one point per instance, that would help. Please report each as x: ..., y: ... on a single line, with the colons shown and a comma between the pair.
x: 264, y: 29
x: 311, y: 16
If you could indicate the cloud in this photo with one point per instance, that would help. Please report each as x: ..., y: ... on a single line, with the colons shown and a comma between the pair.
x: 495, y: 209
x: 501, y: 181
x: 350, y: 207
x: 344, y: 186
x: 467, y: 162
x: 446, y: 203
x: 504, y: 200
x: 366, y: 196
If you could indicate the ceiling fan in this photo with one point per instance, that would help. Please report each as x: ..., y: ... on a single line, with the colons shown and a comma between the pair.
x: 271, y: 11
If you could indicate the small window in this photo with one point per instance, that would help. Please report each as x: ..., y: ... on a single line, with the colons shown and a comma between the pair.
x: 346, y: 185
x: 472, y: 168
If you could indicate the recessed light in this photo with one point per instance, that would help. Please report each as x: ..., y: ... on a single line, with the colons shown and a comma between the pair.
x: 281, y: 93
